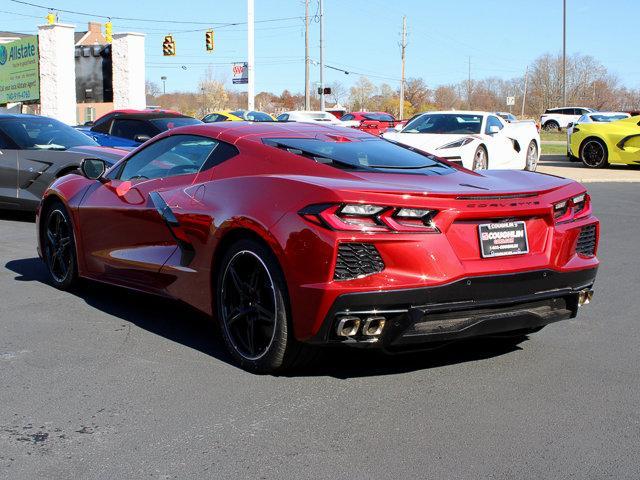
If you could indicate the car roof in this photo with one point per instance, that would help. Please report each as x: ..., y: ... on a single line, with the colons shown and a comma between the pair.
x: 141, y: 114
x: 233, y: 131
x: 21, y: 115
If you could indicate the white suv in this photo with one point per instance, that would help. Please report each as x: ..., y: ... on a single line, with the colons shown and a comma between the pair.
x: 557, y: 118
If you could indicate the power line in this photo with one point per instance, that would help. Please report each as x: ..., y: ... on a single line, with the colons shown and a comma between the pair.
x: 150, y: 20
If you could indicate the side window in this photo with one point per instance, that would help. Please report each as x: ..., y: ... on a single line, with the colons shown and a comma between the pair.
x: 347, y: 117
x: 492, y: 122
x: 4, y: 142
x: 126, y: 128
x: 103, y: 125
x: 176, y: 155
x: 283, y: 117
x: 581, y: 111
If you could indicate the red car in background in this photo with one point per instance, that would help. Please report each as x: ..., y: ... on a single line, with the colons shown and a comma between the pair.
x: 375, y: 123
x: 294, y: 234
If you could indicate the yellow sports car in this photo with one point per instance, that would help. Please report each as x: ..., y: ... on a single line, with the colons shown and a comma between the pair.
x: 598, y: 144
x: 237, y: 116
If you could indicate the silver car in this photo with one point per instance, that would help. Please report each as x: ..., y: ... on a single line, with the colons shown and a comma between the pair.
x: 36, y: 150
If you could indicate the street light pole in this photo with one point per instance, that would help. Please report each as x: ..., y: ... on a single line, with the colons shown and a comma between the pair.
x: 321, y: 55
x: 164, y: 84
x: 307, y: 97
x: 250, y: 57
x: 564, y: 53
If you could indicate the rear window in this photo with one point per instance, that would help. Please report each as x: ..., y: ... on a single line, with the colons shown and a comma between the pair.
x: 173, y: 122
x: 367, y: 155
x: 380, y: 117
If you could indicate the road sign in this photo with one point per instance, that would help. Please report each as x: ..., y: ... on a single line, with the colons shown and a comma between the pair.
x: 511, y: 101
x: 240, y: 72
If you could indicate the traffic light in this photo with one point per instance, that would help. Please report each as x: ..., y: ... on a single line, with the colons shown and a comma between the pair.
x: 168, y: 46
x: 208, y: 38
x: 51, y: 18
x: 108, y: 31
x: 325, y: 90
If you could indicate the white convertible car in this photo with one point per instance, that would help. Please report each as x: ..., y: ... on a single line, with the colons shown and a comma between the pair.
x: 475, y: 140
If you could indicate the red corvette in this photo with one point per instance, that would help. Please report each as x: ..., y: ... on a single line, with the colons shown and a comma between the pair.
x: 375, y: 123
x: 298, y: 234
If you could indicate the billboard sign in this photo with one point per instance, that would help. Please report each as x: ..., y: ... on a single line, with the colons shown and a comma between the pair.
x: 19, y: 76
x: 240, y: 72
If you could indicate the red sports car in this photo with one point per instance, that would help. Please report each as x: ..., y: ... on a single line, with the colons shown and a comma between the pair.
x: 375, y: 123
x: 294, y: 234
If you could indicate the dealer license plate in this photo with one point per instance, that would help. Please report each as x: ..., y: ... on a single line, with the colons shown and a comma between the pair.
x: 501, y: 239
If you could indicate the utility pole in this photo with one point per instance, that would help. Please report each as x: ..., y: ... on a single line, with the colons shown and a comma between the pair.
x: 164, y: 84
x: 307, y: 97
x: 403, y: 47
x: 524, y: 95
x: 321, y: 55
x: 250, y: 58
x: 564, y: 53
x: 469, y: 86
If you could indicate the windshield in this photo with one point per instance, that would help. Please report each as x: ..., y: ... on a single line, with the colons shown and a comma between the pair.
x: 42, y: 133
x: 381, y: 117
x: 369, y: 155
x: 253, y: 116
x: 608, y: 118
x: 172, y: 122
x: 445, y: 123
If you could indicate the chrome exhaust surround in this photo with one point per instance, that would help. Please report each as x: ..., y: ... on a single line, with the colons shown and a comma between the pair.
x: 348, y: 326
x: 584, y: 297
x: 373, y: 326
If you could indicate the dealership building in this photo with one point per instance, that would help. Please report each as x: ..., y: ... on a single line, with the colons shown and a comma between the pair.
x: 73, y: 76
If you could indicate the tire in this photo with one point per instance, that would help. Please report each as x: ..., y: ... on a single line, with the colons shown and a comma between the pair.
x: 480, y: 158
x: 253, y: 310
x: 551, y: 125
x: 594, y: 153
x: 59, y: 247
x: 531, y: 162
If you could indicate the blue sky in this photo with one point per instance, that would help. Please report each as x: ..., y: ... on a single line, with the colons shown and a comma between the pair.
x: 362, y: 36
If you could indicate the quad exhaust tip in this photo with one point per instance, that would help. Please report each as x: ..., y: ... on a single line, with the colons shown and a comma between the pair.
x: 373, y: 326
x: 348, y: 326
x: 584, y: 297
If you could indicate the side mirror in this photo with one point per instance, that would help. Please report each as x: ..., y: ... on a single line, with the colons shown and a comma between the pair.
x: 93, y: 168
x: 89, y: 124
x: 141, y: 138
x: 493, y: 129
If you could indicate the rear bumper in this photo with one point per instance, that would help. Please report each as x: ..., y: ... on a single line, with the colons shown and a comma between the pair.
x: 465, y: 308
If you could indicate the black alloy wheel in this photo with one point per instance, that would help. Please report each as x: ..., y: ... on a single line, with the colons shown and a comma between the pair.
x: 551, y: 125
x: 594, y: 154
x: 59, y: 247
x: 252, y: 306
x: 249, y: 305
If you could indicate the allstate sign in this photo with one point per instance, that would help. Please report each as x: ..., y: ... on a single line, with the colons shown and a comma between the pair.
x: 19, y: 75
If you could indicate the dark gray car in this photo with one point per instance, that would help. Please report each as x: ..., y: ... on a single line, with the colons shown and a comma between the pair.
x: 34, y: 151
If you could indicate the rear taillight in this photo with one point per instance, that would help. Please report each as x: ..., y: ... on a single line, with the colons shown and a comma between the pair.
x: 371, y: 218
x: 572, y: 208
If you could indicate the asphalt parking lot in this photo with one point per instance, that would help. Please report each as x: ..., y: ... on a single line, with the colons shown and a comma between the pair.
x: 107, y: 384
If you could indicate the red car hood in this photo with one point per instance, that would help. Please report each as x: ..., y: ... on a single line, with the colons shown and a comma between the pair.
x: 457, y: 183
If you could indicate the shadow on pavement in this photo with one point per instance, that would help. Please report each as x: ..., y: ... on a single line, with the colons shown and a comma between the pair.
x: 180, y: 323
x: 17, y: 216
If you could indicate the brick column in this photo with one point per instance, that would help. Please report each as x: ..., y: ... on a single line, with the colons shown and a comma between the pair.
x: 127, y: 55
x: 57, y: 72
